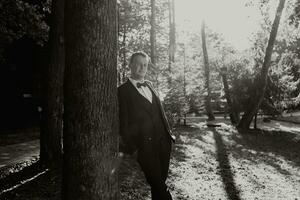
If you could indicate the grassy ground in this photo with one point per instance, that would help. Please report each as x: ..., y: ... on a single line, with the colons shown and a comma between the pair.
x: 207, y: 163
x: 222, y: 163
x: 47, y: 186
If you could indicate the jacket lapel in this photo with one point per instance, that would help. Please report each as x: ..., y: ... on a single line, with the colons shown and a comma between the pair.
x: 140, y: 99
x: 145, y: 104
x: 161, y: 108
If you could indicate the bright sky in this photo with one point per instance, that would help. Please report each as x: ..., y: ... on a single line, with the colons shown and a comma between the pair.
x: 230, y: 17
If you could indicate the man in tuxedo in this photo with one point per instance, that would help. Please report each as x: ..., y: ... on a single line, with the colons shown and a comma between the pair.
x: 144, y: 128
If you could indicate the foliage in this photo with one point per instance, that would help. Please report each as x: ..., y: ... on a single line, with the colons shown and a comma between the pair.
x: 134, y: 34
x: 283, y: 84
x: 295, y: 16
x: 243, y: 67
x: 175, y: 101
x: 20, y: 18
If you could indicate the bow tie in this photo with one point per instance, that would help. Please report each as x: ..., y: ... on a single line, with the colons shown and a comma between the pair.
x: 138, y: 85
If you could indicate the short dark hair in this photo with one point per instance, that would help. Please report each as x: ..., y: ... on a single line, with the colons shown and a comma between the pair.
x: 136, y: 54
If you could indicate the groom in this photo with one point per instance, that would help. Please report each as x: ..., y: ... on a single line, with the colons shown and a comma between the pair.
x: 144, y: 127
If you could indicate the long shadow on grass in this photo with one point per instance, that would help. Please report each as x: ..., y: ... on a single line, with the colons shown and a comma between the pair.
x: 195, y: 135
x: 225, y: 169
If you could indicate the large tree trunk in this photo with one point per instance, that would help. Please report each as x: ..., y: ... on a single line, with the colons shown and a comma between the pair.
x: 91, y: 117
x: 153, y: 33
x: 261, y: 83
x: 206, y: 73
x: 234, y: 116
x: 52, y: 124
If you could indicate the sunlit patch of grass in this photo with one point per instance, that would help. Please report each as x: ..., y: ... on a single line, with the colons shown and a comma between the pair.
x: 265, y: 163
x: 253, y: 164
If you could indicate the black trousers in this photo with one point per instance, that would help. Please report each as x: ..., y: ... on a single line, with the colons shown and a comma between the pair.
x: 154, y: 160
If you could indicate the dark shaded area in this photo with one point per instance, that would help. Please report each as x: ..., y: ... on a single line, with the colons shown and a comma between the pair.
x: 19, y: 176
x: 132, y: 181
x: 280, y: 143
x: 15, y: 136
x: 46, y: 186
x: 12, y: 169
x: 225, y: 168
x: 20, y: 85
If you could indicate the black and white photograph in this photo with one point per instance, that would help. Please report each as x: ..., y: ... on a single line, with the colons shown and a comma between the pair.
x: 150, y: 100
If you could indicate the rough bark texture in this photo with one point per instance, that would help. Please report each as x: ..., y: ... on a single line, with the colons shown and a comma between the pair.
x: 234, y: 117
x: 52, y: 124
x: 257, y: 98
x: 206, y: 73
x: 153, y: 33
x: 91, y: 111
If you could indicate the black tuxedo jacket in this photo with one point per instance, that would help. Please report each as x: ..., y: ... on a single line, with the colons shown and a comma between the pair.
x: 136, y: 125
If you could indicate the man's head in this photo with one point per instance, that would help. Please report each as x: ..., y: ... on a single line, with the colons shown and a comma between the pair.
x: 138, y: 65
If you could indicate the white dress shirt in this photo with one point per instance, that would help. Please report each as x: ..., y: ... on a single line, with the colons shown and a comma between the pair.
x: 145, y: 91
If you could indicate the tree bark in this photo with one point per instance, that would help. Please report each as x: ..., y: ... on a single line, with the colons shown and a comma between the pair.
x: 206, y: 73
x: 233, y: 114
x: 52, y: 122
x: 153, y: 33
x: 257, y: 98
x: 91, y: 111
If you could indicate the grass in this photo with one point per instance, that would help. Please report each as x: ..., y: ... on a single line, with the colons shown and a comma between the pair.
x: 207, y: 163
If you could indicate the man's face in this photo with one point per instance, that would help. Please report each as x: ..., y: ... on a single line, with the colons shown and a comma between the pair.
x: 139, y: 67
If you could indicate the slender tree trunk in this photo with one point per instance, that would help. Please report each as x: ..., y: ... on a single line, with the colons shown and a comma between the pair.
x: 91, y: 117
x: 184, y: 72
x: 52, y: 124
x: 261, y: 84
x: 153, y: 33
x: 234, y: 117
x: 255, y: 121
x: 153, y: 42
x: 124, y: 56
x: 184, y: 83
x: 124, y: 63
x: 206, y: 72
x: 172, y: 31
x: 119, y: 71
x: 172, y: 40
x: 170, y: 37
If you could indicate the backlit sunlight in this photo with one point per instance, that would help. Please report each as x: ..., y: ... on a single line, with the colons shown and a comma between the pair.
x: 232, y: 18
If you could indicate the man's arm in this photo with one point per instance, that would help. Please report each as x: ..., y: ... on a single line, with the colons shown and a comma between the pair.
x: 162, y: 111
x: 126, y: 140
